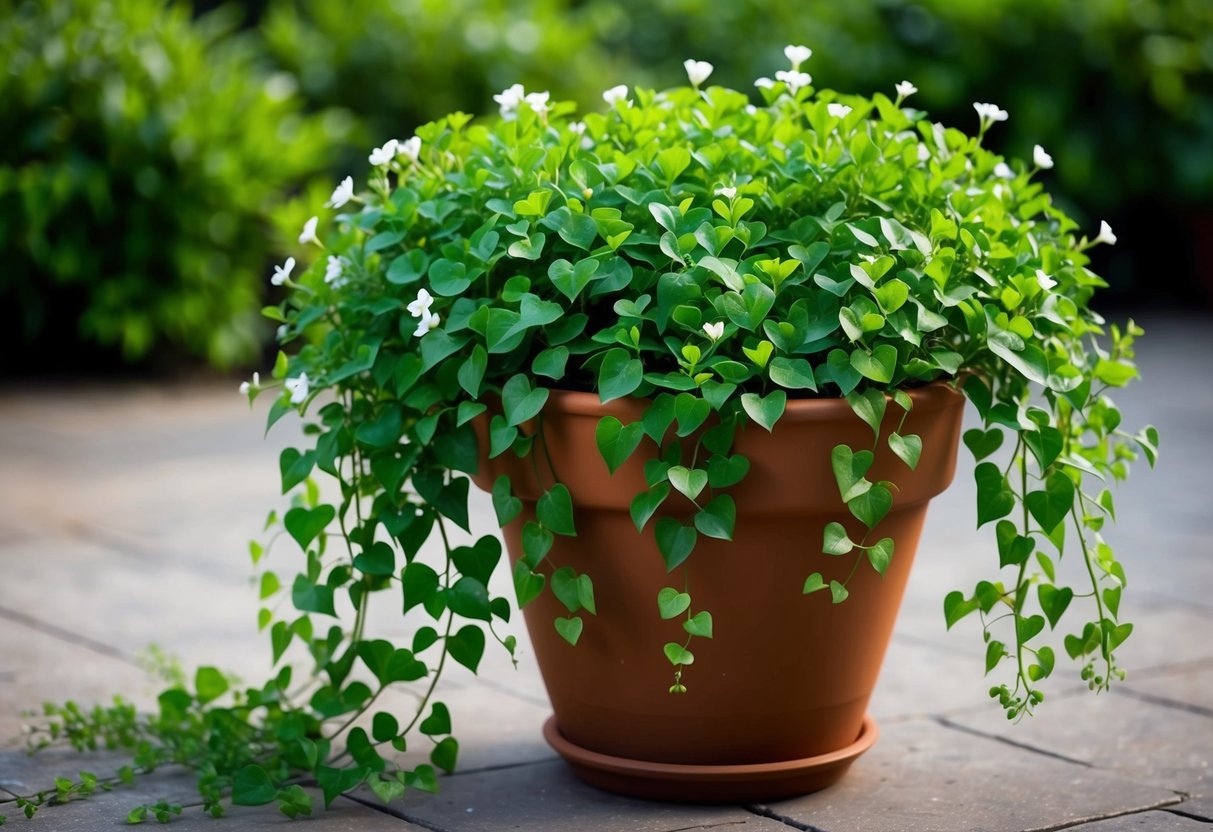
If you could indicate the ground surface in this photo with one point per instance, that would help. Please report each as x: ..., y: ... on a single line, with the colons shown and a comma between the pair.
x: 125, y: 516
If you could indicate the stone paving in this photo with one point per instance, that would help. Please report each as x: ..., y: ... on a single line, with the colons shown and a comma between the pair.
x: 124, y: 519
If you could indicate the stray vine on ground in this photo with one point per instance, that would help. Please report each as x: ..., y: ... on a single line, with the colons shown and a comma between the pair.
x: 713, y: 256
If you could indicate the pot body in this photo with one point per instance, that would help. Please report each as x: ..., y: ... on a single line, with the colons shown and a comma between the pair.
x: 786, y: 676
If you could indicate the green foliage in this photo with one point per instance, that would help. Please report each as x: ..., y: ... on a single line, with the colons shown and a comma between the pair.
x: 144, y: 153
x: 733, y: 248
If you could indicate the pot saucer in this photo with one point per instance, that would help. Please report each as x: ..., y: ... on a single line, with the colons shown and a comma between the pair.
x: 683, y: 783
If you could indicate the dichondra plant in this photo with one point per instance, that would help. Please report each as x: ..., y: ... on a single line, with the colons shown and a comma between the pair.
x: 715, y: 257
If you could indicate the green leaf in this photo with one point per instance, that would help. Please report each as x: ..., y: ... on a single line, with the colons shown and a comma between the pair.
x: 438, y: 722
x: 983, y: 443
x: 1013, y: 548
x: 471, y: 372
x: 519, y: 401
x: 673, y: 161
x: 675, y: 541
x: 871, y: 506
x: 565, y: 588
x: 306, y: 524
x: 469, y: 598
x: 835, y: 540
x: 569, y: 628
x: 527, y: 584
x: 210, y: 684
x: 1050, y: 507
x: 466, y: 646
x: 618, y: 375
x: 551, y: 362
x: 724, y: 471
x: 765, y: 410
x: 252, y: 786
x: 718, y: 518
x: 838, y: 592
x: 310, y: 597
x: 838, y: 369
x: 646, y: 503
x: 384, y: 727
x: 505, y: 504
x: 956, y: 607
x: 555, y: 510
x: 445, y: 754
x: 678, y: 655
x: 995, y: 652
x: 1053, y: 601
x: 671, y: 603
x: 419, y: 583
x: 1045, y: 443
x: 880, y: 555
x: 448, y: 279
x: 688, y: 481
x: 870, y: 406
x: 1028, y: 628
x: 908, y: 448
x: 295, y: 467
x: 849, y: 469
x: 570, y: 279
x: 616, y: 442
x: 878, y: 365
x: 536, y: 543
x: 378, y: 559
x: 792, y: 373
x: 700, y: 624
x: 691, y: 412
x: 994, y: 496
x: 813, y: 583
x: 501, y: 436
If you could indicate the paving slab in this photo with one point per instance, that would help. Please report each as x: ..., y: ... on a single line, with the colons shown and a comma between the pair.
x: 924, y: 777
x: 1199, y: 807
x: 1151, y: 743
x: 546, y: 797
x: 1146, y: 822
x: 1186, y: 685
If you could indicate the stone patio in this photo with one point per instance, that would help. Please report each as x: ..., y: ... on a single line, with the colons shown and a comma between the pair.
x: 125, y: 518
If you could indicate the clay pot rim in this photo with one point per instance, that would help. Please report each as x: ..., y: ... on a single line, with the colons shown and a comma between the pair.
x: 930, y: 397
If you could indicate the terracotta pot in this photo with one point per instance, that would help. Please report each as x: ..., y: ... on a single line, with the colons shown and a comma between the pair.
x: 776, y: 700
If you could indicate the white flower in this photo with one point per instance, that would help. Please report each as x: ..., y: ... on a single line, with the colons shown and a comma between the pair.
x: 614, y: 94
x: 538, y: 101
x: 924, y: 152
x: 509, y: 99
x: 727, y: 193
x: 308, y: 234
x: 246, y: 386
x: 989, y: 112
x: 714, y: 331
x: 298, y: 388
x: 421, y: 307
x: 795, y: 80
x: 905, y: 89
x: 577, y: 128
x: 797, y: 55
x: 410, y: 149
x: 428, y: 321
x: 283, y: 273
x: 282, y: 332
x: 1041, y: 158
x: 697, y: 71
x: 1003, y: 171
x: 1044, y: 280
x: 764, y: 83
x: 343, y: 193
x: 838, y: 110
x: 1105, y: 234
x: 334, y: 271
x: 381, y: 156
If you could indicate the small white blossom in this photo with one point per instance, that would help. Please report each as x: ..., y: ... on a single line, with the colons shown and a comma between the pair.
x: 308, y: 235
x: 298, y: 388
x: 714, y: 331
x: 614, y: 94
x: 727, y: 193
x: 989, y: 112
x: 1003, y: 171
x: 421, y: 307
x: 1041, y: 158
x: 282, y: 332
x: 1044, y: 280
x: 764, y: 83
x: 538, y: 101
x: 409, y: 149
x: 255, y: 384
x: 577, y: 128
x: 334, y: 271
x: 1105, y: 234
x: 795, y: 80
x: 837, y: 110
x: 924, y: 152
x: 428, y: 321
x: 509, y: 99
x: 750, y: 109
x: 283, y: 273
x: 797, y: 55
x: 697, y: 71
x: 381, y: 156
x: 905, y: 89
x: 343, y: 193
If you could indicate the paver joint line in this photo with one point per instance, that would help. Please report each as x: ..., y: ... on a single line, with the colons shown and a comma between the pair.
x: 1154, y: 699
x: 46, y: 628
x: 396, y: 813
x: 708, y: 826
x: 1179, y: 810
x: 947, y: 723
x: 1128, y: 813
x: 763, y: 811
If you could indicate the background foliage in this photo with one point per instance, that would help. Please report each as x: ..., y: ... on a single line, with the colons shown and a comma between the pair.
x: 167, y: 148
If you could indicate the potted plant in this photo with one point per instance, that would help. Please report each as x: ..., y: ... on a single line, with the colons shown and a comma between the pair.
x: 709, y: 358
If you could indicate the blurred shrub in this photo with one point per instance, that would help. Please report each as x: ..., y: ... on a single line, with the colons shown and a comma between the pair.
x: 141, y: 155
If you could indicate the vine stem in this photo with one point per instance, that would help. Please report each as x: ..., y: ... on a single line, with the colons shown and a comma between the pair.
x: 1020, y: 588
x: 1086, y: 556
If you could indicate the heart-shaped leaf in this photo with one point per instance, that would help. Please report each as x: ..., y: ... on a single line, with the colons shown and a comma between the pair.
x: 569, y: 628
x: 691, y: 412
x: 765, y: 410
x: 570, y: 279
x: 555, y: 510
x: 519, y: 401
x: 880, y: 554
x: 835, y: 540
x: 466, y: 646
x: 671, y: 603
x: 813, y: 583
x: 870, y: 406
x: 878, y: 365
x: 994, y: 497
x: 306, y: 524
x: 792, y: 373
x: 616, y: 442
x: 1028, y: 628
x: 647, y: 502
x: 700, y: 624
x: 908, y: 448
x: 1013, y: 548
x: 689, y: 481
x: 718, y: 518
x: 678, y: 655
x: 849, y: 469
x: 527, y: 584
x: 1054, y: 600
x: 675, y: 541
x: 505, y: 504
x: 838, y: 592
x: 1050, y: 507
x: 871, y: 506
x: 838, y: 369
x: 724, y: 471
x: 983, y: 442
x: 618, y: 375
x: 295, y: 467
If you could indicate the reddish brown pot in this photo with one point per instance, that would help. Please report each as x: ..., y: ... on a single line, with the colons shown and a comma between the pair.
x: 776, y: 700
